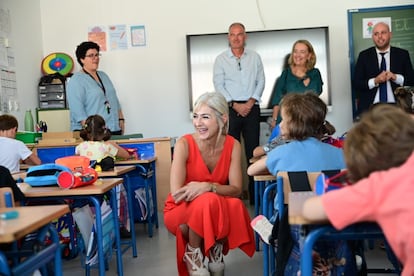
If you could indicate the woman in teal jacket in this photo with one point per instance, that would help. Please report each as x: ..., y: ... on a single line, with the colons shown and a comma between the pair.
x: 299, y: 77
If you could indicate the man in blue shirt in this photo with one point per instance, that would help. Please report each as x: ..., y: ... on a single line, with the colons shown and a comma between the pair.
x: 238, y: 74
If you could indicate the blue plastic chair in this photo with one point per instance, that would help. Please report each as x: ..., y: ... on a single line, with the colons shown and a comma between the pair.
x: 271, y: 191
x: 275, y: 133
x: 282, y: 187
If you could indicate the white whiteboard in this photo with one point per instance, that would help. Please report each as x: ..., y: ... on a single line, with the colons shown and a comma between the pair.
x: 272, y: 46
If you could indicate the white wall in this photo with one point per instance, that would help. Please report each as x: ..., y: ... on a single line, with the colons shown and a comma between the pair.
x: 152, y: 81
x: 26, y: 41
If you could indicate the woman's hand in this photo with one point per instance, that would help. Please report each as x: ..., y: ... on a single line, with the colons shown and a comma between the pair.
x: 190, y: 191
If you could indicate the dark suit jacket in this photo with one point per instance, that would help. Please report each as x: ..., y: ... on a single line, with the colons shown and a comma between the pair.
x: 367, y: 67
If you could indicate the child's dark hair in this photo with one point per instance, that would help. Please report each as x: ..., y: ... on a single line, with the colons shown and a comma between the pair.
x: 95, y: 129
x: 8, y: 122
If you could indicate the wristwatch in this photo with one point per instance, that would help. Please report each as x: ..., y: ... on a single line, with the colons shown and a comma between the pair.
x: 213, y: 188
x: 266, y: 149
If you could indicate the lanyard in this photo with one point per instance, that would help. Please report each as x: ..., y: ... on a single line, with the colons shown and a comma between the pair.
x: 101, y: 85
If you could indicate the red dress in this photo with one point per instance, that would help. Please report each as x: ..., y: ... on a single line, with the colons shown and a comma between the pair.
x: 211, y: 216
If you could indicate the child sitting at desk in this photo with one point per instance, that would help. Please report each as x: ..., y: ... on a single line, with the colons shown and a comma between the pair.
x: 380, y: 160
x: 276, y: 140
x: 96, y: 145
x: 12, y: 150
x: 303, y: 123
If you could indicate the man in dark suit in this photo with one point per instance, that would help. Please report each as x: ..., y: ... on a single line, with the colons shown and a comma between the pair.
x: 369, y: 75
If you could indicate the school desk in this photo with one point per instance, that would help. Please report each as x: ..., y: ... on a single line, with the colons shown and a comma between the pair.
x: 93, y: 194
x: 260, y: 183
x: 30, y: 219
x: 159, y: 147
x: 145, y: 170
x: 121, y: 171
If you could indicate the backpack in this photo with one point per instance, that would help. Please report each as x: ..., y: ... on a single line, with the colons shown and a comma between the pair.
x: 44, y: 174
x: 80, y: 174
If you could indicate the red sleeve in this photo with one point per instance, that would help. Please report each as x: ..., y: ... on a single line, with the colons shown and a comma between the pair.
x: 351, y: 204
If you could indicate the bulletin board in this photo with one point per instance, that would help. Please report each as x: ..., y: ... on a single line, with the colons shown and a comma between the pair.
x: 361, y: 20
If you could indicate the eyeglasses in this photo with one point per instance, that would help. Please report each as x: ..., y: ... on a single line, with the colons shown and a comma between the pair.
x: 93, y: 55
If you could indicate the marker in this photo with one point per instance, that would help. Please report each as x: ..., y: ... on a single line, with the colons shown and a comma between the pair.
x: 9, y: 215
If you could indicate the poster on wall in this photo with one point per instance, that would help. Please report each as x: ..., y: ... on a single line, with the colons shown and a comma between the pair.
x: 118, y: 37
x: 369, y: 23
x: 97, y: 34
x: 9, y: 100
x: 138, y: 36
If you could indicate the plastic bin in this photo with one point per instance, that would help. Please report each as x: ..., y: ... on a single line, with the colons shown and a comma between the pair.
x: 28, y: 137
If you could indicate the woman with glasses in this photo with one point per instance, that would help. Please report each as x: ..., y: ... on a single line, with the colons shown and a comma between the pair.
x: 91, y: 92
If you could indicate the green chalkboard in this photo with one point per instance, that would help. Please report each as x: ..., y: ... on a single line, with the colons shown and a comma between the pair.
x: 360, y: 21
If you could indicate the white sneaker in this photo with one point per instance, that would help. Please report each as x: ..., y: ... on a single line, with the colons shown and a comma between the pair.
x: 263, y: 227
x: 195, y: 262
x: 216, y: 264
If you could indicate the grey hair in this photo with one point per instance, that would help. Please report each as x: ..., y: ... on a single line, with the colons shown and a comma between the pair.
x: 237, y: 24
x: 218, y: 103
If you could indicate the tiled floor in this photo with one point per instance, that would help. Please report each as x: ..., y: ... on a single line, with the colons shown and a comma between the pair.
x: 156, y: 256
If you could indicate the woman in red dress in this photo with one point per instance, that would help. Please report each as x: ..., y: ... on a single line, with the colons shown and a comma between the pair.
x: 203, y: 210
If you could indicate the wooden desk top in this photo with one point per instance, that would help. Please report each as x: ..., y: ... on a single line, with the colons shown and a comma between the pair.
x: 136, y: 161
x: 54, y: 143
x: 296, y: 201
x: 264, y: 177
x: 25, y: 167
x: 117, y: 171
x: 19, y: 175
x: 30, y: 219
x: 100, y: 187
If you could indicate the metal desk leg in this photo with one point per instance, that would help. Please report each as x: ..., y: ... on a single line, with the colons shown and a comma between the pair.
x: 149, y: 216
x: 154, y: 192
x: 148, y: 174
x: 130, y: 199
x: 268, y: 251
x: 4, y: 266
x: 258, y: 204
x: 256, y: 210
x: 99, y: 235
x: 114, y: 206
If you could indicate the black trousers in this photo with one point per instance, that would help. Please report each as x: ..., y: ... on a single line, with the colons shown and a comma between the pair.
x: 249, y: 128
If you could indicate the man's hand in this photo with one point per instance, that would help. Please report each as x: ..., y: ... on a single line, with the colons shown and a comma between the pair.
x: 381, y: 78
x: 391, y: 76
x: 243, y: 109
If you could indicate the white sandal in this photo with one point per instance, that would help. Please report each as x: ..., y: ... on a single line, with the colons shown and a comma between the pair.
x: 195, y: 262
x: 216, y: 264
